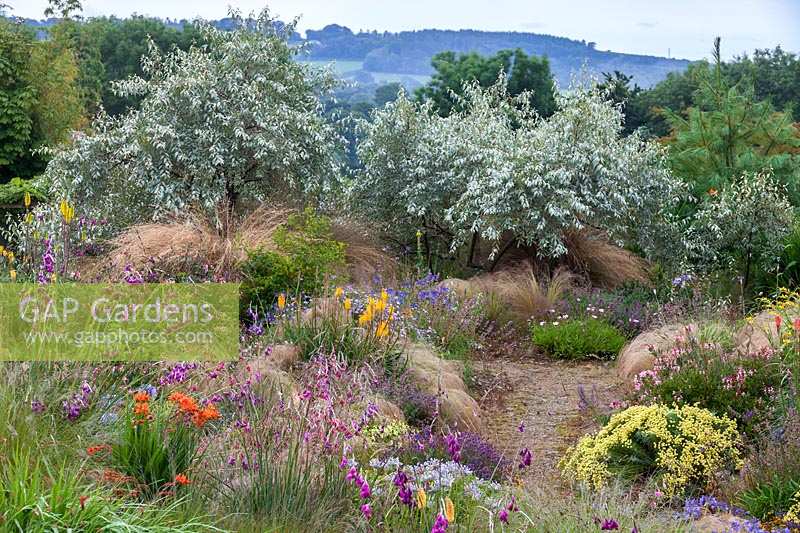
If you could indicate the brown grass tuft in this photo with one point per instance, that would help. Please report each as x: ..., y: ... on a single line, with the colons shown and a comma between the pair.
x: 221, y: 241
x: 363, y: 254
x: 522, y: 294
x: 606, y: 265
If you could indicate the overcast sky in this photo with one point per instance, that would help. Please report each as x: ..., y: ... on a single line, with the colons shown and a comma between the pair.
x: 682, y: 28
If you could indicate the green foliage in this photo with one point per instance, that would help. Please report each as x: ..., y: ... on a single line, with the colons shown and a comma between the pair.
x: 154, y: 451
x: 578, y: 339
x: 775, y: 75
x: 741, y: 228
x: 17, y: 99
x: 768, y: 499
x: 727, y: 132
x: 306, y: 255
x: 13, y: 192
x: 524, y: 74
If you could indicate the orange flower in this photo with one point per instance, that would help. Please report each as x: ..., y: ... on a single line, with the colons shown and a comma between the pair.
x: 141, y: 397
x: 778, y: 321
x: 181, y: 479
x: 712, y: 191
x: 92, y: 450
x: 797, y: 324
x: 209, y: 412
x: 185, y: 403
x: 82, y: 500
x: 142, y: 409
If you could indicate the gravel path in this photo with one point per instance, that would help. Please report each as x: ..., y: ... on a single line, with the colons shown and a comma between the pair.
x: 544, y: 395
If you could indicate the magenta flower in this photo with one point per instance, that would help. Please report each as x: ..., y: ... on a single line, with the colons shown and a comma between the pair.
x: 503, y: 516
x: 366, y: 510
x: 352, y: 474
x: 526, y: 457
x: 365, y: 492
x: 440, y: 525
x: 609, y: 524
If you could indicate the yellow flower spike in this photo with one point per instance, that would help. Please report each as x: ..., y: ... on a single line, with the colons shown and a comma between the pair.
x: 281, y: 301
x: 422, y: 498
x: 67, y: 211
x: 27, y: 199
x: 2, y: 250
x: 449, y: 510
x: 384, y: 296
x: 383, y: 329
x: 29, y: 218
x: 348, y: 304
x: 339, y: 292
x: 13, y: 274
x: 366, y: 317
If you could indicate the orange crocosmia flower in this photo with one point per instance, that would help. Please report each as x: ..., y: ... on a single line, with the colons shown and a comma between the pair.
x: 92, y: 450
x: 209, y: 412
x: 141, y: 397
x: 184, y: 402
x: 181, y: 479
x: 142, y: 409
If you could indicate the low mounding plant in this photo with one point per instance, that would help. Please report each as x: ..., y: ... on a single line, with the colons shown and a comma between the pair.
x: 305, y: 254
x: 684, y: 447
x: 578, y: 338
x: 745, y: 387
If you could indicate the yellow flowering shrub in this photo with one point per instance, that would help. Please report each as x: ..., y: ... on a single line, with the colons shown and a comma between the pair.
x: 385, y: 434
x: 793, y: 514
x: 684, y: 446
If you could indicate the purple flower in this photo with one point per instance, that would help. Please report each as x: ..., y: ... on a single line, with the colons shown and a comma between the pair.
x: 352, y: 474
x: 526, y: 457
x: 37, y: 407
x: 366, y: 510
x: 440, y: 525
x: 365, y: 492
x: 609, y: 524
x: 453, y: 446
x: 503, y: 516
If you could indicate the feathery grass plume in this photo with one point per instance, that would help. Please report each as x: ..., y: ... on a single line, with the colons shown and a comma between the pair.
x: 221, y: 240
x: 605, y: 264
x: 524, y: 295
x: 363, y: 253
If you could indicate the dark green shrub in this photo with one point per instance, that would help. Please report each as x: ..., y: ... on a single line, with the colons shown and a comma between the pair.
x: 578, y: 339
x: 306, y: 254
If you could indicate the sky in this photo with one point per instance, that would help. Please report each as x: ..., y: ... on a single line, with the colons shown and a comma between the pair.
x: 675, y: 28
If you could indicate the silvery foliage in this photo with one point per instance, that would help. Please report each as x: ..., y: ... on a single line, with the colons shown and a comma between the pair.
x: 749, y: 218
x: 235, y: 118
x: 496, y: 169
x: 407, y: 180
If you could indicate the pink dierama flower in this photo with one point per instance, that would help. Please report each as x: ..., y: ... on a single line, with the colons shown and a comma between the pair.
x: 366, y: 510
x: 365, y: 491
x: 526, y: 457
x: 503, y: 516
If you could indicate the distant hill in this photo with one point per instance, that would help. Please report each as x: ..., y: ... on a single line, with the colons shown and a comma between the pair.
x: 405, y: 57
x: 410, y: 52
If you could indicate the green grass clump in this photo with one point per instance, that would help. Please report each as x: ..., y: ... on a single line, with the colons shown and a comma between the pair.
x: 578, y: 339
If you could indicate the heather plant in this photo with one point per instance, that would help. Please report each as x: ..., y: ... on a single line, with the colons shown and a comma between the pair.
x: 629, y: 309
x: 577, y: 338
x: 747, y: 387
x: 684, y: 448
